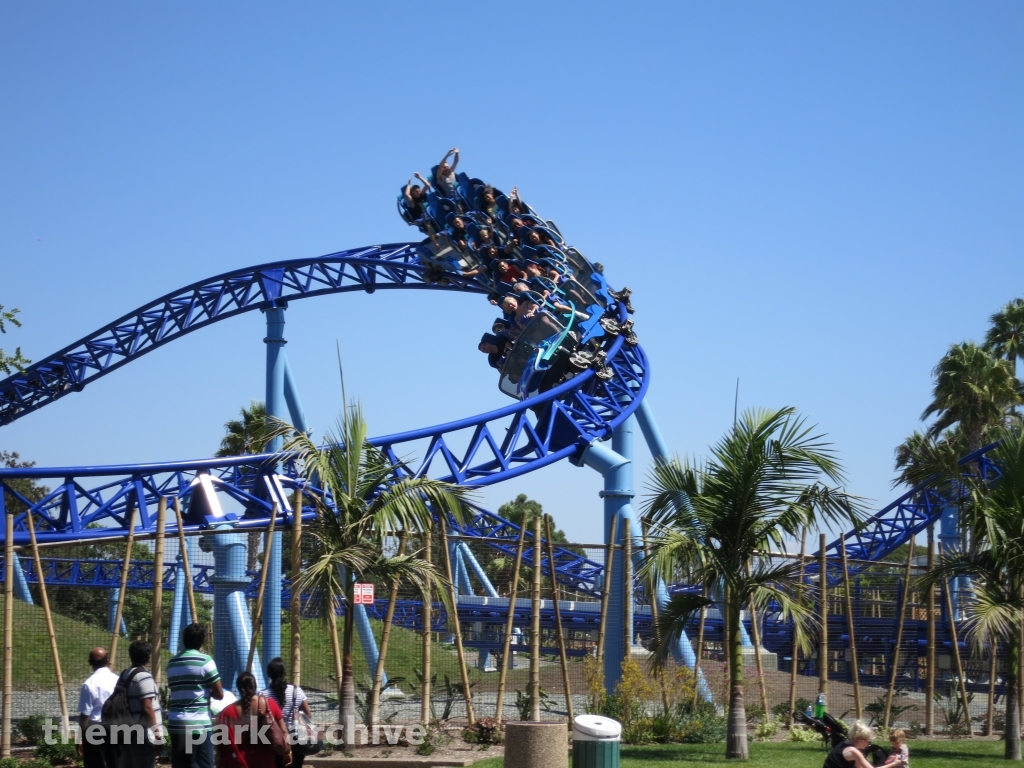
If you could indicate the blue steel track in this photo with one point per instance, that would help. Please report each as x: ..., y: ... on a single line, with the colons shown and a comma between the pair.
x: 92, y: 503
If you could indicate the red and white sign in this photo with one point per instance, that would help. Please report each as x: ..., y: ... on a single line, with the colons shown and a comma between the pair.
x: 363, y: 594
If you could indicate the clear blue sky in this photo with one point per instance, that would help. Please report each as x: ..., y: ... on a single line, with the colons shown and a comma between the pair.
x: 816, y: 198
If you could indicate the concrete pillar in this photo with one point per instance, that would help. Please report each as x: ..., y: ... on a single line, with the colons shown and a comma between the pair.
x: 536, y: 745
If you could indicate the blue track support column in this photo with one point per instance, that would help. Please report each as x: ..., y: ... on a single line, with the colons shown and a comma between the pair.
x: 367, y: 640
x: 651, y: 433
x: 115, y: 595
x: 470, y: 563
x: 180, y: 601
x: 949, y: 541
x: 21, y: 590
x: 683, y: 653
x: 616, y: 465
x: 230, y: 611
x: 277, y: 373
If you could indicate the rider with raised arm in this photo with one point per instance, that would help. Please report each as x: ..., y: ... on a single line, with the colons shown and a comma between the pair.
x: 444, y: 174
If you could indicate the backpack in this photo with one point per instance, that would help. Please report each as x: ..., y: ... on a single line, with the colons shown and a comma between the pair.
x: 115, y: 709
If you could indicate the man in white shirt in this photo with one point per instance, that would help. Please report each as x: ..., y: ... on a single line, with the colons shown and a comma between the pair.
x: 93, y: 747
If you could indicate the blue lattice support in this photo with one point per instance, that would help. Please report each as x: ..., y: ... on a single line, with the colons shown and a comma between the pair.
x: 277, y: 366
x: 617, y: 469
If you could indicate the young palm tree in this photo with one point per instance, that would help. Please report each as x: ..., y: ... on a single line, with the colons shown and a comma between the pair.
x: 710, y: 524
x: 1005, y: 337
x: 922, y: 458
x: 244, y: 436
x: 996, y: 568
x: 365, y: 498
x: 972, y: 389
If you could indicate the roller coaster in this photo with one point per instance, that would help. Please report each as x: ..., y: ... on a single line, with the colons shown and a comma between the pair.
x: 565, y: 351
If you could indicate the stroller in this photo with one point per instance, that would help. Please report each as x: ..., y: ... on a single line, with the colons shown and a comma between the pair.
x: 833, y: 733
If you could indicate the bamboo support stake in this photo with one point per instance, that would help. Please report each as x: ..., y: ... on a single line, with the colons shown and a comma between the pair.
x: 929, y: 697
x: 509, y: 624
x: 258, y: 612
x: 651, y: 589
x: 700, y: 647
x: 189, y: 587
x: 895, y: 661
x: 157, y: 621
x: 453, y: 621
x: 115, y: 634
x: 627, y: 588
x: 428, y: 635
x: 65, y: 720
x: 957, y: 663
x: 851, y: 627
x: 8, y: 698
x: 389, y: 617
x: 823, y: 609
x: 991, y: 713
x: 558, y: 622
x: 795, y: 663
x: 609, y: 553
x: 296, y: 604
x: 756, y: 632
x: 538, y: 565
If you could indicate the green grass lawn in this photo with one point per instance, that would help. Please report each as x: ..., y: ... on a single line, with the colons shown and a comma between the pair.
x: 923, y: 754
x: 404, y: 654
x: 32, y: 661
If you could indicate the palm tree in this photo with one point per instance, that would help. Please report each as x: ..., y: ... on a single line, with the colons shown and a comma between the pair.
x: 1005, y: 337
x: 922, y: 458
x: 712, y: 523
x: 365, y: 499
x: 996, y: 568
x: 245, y: 437
x: 972, y: 389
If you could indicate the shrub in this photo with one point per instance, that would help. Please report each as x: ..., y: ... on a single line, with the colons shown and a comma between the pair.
x: 781, y: 710
x: 701, y: 729
x: 10, y: 762
x: 31, y: 728
x: 484, y: 732
x: 435, y: 737
x: 801, y: 734
x: 764, y: 731
x: 60, y: 752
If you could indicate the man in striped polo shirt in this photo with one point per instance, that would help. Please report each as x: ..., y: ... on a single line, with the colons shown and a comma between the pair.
x: 192, y: 679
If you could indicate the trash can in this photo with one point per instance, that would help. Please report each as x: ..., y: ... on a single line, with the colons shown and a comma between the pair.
x: 595, y: 742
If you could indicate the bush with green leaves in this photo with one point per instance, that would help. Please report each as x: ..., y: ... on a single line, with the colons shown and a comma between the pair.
x: 30, y: 729
x: 61, y: 751
x: 436, y: 736
x: 10, y: 762
x: 485, y: 732
x: 801, y: 734
x: 781, y: 710
x: 765, y: 730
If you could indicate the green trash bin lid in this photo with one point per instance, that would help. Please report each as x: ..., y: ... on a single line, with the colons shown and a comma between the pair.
x: 595, y: 728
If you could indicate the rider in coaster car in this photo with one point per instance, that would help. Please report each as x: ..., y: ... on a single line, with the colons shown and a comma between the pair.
x: 495, y: 347
x: 444, y: 174
x: 515, y: 202
x: 480, y: 238
x: 504, y: 273
x: 456, y: 228
x: 486, y: 201
x: 414, y: 201
x: 484, y: 271
x: 529, y: 304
